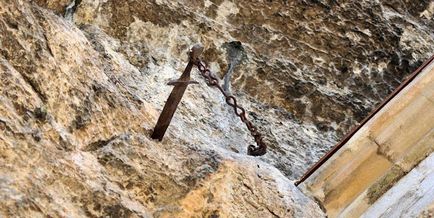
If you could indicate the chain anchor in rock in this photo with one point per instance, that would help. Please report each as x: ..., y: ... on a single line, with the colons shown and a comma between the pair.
x: 179, y: 89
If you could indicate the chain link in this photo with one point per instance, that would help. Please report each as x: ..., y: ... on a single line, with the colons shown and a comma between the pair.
x: 211, y: 80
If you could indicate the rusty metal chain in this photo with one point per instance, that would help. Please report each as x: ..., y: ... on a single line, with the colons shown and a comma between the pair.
x: 211, y: 80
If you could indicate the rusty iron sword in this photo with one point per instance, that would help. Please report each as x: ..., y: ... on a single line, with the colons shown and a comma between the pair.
x: 175, y: 96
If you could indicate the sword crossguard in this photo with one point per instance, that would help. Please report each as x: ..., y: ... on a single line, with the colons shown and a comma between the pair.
x: 177, y: 81
x: 180, y: 85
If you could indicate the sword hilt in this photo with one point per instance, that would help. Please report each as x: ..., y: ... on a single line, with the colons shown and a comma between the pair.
x: 195, y: 52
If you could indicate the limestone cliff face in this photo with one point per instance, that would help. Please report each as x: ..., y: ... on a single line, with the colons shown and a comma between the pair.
x: 82, y: 83
x: 310, y: 69
x: 75, y: 120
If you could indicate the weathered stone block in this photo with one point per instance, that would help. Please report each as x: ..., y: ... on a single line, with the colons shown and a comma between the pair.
x: 344, y: 178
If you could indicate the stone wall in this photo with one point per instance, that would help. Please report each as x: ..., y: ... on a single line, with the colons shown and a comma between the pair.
x: 410, y: 197
x: 384, y: 151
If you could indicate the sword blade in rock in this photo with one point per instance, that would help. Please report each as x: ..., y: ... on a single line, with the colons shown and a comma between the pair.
x: 175, y: 97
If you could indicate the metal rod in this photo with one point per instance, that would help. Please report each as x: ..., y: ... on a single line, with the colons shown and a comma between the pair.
x: 176, y: 95
x: 348, y: 136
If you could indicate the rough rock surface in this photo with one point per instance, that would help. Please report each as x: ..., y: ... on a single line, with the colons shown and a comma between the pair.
x: 82, y: 88
x: 75, y: 119
x: 312, y: 69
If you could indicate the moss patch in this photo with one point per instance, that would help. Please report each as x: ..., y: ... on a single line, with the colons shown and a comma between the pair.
x: 384, y: 184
